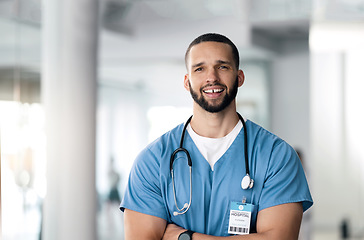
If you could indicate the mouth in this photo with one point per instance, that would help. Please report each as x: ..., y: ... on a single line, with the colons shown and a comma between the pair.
x: 213, y: 90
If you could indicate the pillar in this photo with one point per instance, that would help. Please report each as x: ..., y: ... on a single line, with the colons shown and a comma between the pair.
x: 69, y: 82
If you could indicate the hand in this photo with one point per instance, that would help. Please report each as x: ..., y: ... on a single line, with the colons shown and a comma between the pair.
x: 172, y: 232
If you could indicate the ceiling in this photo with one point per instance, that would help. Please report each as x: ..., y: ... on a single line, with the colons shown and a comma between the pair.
x: 152, y: 33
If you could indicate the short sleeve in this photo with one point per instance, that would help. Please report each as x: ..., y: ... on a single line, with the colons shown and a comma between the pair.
x: 143, y: 193
x: 285, y: 180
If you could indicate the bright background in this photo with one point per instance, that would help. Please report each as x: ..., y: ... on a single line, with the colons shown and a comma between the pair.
x: 304, y: 82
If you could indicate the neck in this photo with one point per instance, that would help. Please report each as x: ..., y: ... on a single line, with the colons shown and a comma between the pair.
x: 214, y: 125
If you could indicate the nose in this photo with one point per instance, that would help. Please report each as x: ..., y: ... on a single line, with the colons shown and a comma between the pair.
x: 212, y: 75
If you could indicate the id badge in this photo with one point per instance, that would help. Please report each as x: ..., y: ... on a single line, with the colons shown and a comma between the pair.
x: 240, y: 217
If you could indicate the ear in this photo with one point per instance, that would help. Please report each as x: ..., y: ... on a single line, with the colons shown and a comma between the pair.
x: 241, y: 77
x: 186, y: 82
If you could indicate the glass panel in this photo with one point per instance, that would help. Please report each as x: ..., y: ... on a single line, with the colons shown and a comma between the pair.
x: 21, y: 121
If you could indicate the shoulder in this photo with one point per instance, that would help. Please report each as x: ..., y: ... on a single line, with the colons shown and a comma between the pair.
x: 259, y: 135
x: 269, y: 148
x: 278, y: 170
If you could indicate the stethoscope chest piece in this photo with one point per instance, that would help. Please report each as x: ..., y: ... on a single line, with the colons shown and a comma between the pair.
x: 247, y: 182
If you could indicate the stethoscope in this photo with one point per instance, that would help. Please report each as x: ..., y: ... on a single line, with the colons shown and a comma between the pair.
x: 246, y: 183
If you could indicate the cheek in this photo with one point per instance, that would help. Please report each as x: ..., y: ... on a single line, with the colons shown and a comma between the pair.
x: 188, y: 83
x: 197, y: 80
x: 194, y: 86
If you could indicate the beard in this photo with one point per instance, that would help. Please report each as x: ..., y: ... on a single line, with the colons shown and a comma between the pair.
x: 218, y: 107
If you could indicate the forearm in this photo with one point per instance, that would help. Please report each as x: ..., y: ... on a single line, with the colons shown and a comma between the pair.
x: 254, y: 236
x: 152, y: 227
x: 173, y: 231
x: 281, y: 222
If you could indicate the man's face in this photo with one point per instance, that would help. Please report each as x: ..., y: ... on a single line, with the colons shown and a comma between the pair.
x: 212, y: 78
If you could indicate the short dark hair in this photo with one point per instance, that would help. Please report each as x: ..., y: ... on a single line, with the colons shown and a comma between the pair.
x: 214, y: 37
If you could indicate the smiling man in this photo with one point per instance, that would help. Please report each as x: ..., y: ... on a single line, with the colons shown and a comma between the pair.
x: 196, y: 181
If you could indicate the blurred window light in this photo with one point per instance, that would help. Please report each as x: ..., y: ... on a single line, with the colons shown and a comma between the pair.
x: 23, y: 169
x: 164, y: 118
x: 336, y: 36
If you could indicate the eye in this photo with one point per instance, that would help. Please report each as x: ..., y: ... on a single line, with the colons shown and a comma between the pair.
x: 199, y: 69
x: 223, y: 67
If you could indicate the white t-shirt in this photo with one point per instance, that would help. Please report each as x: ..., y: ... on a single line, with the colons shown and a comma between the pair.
x: 213, y: 148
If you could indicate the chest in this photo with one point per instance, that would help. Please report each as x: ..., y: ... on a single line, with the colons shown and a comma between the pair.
x: 211, y: 192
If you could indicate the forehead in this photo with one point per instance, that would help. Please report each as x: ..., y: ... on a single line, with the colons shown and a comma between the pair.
x: 210, y: 51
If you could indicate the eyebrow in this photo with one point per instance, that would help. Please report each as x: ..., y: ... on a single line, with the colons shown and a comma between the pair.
x: 223, y: 62
x: 197, y: 64
x: 218, y: 61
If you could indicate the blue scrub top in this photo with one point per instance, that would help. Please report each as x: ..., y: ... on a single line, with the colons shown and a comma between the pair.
x: 274, y: 165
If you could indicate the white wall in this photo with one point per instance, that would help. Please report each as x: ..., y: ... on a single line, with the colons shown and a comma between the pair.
x: 289, y: 106
x: 337, y: 117
x: 289, y: 86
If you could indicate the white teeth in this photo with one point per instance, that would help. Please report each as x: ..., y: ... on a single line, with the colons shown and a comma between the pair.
x: 213, y: 90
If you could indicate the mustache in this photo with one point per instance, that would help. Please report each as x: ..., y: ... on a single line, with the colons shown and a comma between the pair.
x: 212, y: 85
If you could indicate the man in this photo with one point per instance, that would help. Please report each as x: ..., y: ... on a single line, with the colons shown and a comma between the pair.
x: 211, y: 202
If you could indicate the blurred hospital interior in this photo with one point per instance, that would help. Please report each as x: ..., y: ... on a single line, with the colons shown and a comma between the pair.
x: 86, y: 84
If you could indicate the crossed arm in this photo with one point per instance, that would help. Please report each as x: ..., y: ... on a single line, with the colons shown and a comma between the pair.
x: 279, y: 222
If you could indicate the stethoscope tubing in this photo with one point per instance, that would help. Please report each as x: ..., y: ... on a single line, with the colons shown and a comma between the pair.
x: 186, y: 206
x: 181, y: 148
x: 245, y: 145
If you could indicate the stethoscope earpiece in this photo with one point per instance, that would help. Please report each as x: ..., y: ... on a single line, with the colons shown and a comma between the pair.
x: 182, y: 210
